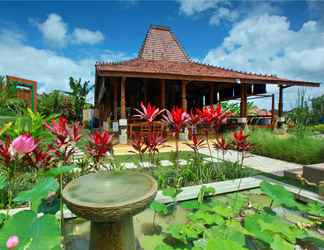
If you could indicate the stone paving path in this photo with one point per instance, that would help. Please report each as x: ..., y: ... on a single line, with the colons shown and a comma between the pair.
x: 261, y: 163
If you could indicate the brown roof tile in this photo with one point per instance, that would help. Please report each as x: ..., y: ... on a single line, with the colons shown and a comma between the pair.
x: 162, y: 54
x: 161, y: 44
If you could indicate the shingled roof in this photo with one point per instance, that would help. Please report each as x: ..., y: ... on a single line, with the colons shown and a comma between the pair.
x: 161, y: 56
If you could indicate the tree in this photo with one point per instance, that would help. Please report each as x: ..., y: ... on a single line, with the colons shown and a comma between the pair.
x: 79, y: 94
x: 56, y: 102
x: 9, y: 104
x: 318, y: 109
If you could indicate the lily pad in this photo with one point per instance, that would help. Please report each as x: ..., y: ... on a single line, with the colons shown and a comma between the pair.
x: 40, y: 191
x: 279, y: 194
x: 33, y: 233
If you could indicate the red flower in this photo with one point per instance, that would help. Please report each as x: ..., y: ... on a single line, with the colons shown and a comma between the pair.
x: 148, y: 112
x: 99, y: 144
x: 240, y: 141
x: 196, y: 143
x: 177, y: 119
x: 5, y: 151
x: 221, y: 144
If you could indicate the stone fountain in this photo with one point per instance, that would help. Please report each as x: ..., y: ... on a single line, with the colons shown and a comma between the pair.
x: 109, y: 200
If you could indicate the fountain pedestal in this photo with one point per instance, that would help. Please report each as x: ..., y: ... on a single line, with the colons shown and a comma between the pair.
x: 109, y: 201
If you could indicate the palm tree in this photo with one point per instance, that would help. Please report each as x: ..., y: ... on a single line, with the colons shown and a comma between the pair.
x: 79, y: 92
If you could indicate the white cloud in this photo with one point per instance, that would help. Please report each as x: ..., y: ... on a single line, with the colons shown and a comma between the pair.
x: 87, y: 36
x: 48, y: 68
x: 54, y: 30
x: 267, y: 44
x: 190, y: 7
x: 224, y: 14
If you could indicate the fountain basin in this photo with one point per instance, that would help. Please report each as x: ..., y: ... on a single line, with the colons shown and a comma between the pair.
x: 109, y: 200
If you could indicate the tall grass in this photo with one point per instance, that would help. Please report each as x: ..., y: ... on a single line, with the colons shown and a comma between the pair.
x: 303, y: 150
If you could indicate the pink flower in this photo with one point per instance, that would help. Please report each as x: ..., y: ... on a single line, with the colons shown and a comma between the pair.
x: 12, y: 242
x: 23, y: 144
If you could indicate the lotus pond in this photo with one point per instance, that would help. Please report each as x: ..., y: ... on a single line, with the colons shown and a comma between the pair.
x: 266, y: 218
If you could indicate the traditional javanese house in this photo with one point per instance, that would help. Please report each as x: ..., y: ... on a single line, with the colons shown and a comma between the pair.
x: 164, y: 75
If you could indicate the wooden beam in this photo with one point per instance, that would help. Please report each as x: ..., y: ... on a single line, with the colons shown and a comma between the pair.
x: 122, y: 98
x: 280, y: 101
x: 115, y: 86
x: 204, y: 78
x: 243, y: 104
x: 162, y: 89
x: 184, y: 95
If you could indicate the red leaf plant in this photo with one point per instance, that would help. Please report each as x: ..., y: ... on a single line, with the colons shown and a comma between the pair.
x: 139, y: 146
x: 41, y: 159
x: 196, y: 144
x: 99, y: 144
x: 241, y: 144
x: 194, y: 120
x: 5, y: 151
x: 177, y: 119
x: 221, y: 144
x: 154, y: 141
x: 148, y: 113
x: 66, y: 137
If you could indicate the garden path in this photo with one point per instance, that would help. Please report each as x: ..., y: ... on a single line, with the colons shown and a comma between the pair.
x: 261, y: 163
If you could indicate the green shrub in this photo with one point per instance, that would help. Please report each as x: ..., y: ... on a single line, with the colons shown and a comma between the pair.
x: 6, y: 119
x: 318, y: 128
x: 303, y: 150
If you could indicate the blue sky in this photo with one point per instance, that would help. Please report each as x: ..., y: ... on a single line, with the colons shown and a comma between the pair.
x: 50, y: 41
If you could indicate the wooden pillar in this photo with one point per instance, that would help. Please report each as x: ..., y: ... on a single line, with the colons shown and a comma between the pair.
x: 272, y: 108
x: 280, y: 101
x: 162, y: 89
x: 184, y: 95
x: 115, y: 86
x: 243, y: 104
x: 211, y: 94
x: 122, y: 98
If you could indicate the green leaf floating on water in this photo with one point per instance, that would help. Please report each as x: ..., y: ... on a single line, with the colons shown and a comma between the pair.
x: 279, y: 194
x: 221, y: 244
x: 315, y: 208
x: 190, y: 205
x: 40, y: 191
x: 33, y: 233
x: 171, y: 192
x: 205, y: 218
x: 186, y: 232
x: 281, y: 244
x: 159, y: 208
